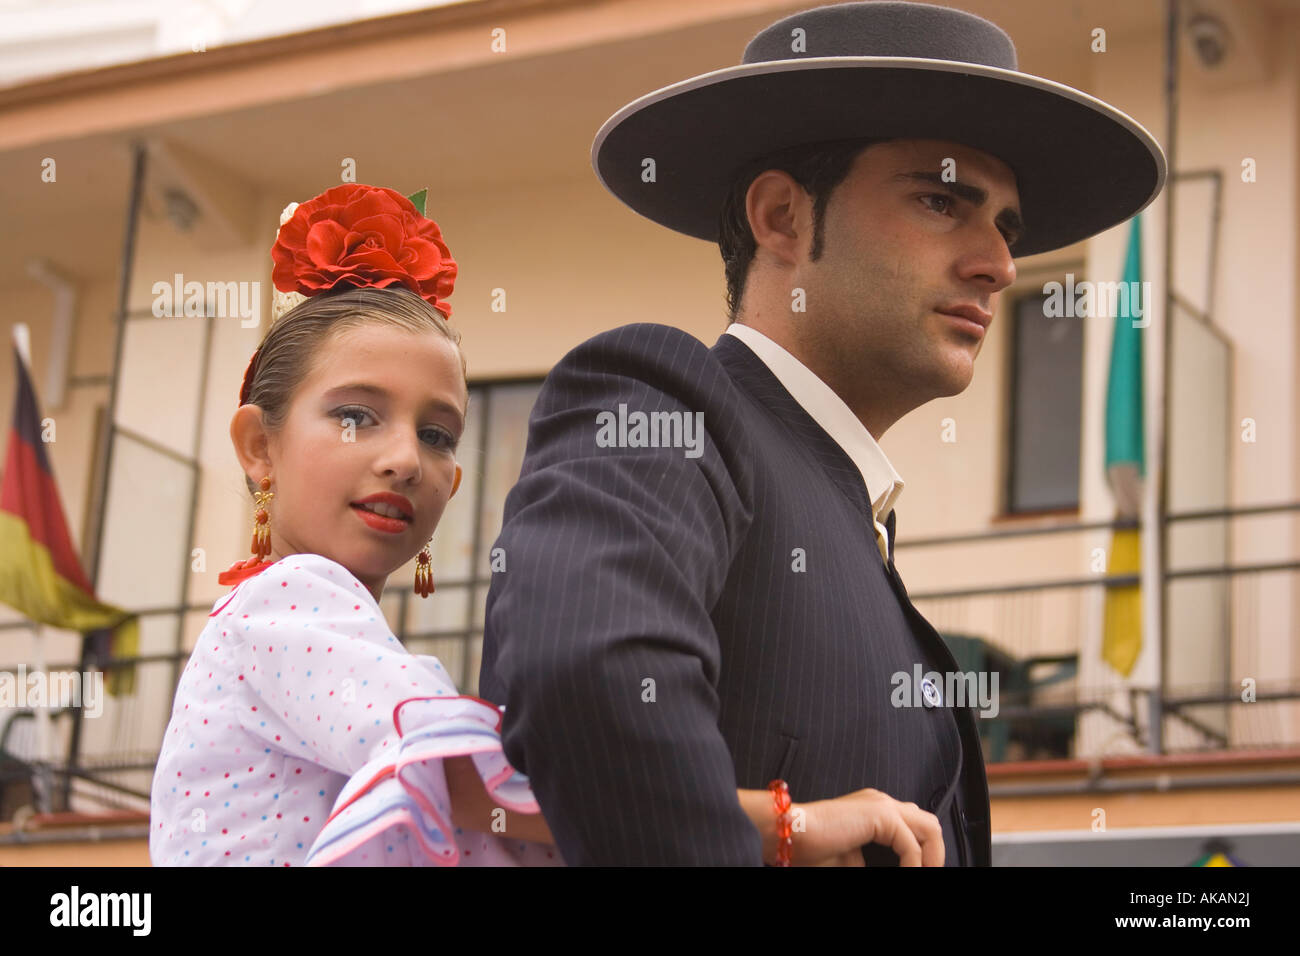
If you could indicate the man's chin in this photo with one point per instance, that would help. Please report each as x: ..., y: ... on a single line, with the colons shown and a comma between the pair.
x: 955, y: 381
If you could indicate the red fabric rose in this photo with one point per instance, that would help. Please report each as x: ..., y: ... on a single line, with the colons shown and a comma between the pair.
x: 357, y: 236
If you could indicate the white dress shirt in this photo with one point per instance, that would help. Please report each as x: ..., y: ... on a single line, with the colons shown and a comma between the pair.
x: 829, y: 411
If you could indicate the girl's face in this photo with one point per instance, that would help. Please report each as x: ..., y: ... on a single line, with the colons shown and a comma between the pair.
x: 381, y: 411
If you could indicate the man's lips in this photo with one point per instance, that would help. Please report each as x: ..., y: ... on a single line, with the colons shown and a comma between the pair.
x: 972, y: 313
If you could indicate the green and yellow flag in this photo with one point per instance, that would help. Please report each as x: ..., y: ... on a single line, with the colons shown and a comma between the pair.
x: 40, y: 573
x: 1126, y: 464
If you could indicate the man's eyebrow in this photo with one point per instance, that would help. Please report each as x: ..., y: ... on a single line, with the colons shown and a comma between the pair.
x: 380, y: 392
x: 1008, y: 218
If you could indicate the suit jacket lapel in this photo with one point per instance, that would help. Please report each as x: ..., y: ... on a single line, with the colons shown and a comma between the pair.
x: 753, y: 376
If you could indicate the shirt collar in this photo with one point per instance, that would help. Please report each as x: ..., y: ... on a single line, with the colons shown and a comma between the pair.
x: 829, y: 411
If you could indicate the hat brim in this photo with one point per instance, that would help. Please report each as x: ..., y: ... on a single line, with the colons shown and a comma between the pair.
x: 1081, y: 165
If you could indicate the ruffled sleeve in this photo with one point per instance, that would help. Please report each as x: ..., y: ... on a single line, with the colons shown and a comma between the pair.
x: 396, y: 809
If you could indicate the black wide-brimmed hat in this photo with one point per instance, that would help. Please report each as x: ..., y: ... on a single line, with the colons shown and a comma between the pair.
x: 886, y: 70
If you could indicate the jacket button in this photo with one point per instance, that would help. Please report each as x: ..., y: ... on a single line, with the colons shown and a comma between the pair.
x: 936, y: 799
x: 930, y: 691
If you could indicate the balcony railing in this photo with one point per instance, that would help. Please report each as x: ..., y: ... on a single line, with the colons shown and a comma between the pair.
x: 1055, y: 698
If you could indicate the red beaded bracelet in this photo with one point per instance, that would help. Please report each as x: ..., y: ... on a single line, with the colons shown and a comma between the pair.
x: 781, y: 801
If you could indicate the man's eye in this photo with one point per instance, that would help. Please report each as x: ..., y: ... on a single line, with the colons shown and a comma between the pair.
x: 945, y: 200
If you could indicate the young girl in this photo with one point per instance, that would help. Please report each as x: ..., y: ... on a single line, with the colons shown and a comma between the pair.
x: 302, y: 731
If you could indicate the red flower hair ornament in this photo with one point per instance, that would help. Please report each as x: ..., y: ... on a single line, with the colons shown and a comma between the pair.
x: 356, y: 236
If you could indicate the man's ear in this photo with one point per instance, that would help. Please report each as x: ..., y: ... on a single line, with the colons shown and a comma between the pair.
x: 252, y: 445
x: 455, y: 484
x: 779, y: 210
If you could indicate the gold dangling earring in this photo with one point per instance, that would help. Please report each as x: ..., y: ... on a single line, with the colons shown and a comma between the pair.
x: 424, y: 573
x: 262, y: 523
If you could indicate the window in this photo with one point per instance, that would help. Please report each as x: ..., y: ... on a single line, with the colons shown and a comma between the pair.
x: 1046, y: 405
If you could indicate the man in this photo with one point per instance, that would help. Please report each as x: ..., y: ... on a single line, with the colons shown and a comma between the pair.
x: 683, y: 614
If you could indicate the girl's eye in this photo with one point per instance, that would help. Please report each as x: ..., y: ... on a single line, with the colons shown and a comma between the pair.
x: 354, y: 412
x: 434, y: 437
x: 946, y: 200
x: 442, y: 438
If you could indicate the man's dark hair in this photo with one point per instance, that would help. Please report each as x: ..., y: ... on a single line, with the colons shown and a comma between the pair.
x: 817, y: 167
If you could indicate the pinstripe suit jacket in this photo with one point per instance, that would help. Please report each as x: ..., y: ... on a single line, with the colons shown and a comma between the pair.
x: 669, y: 628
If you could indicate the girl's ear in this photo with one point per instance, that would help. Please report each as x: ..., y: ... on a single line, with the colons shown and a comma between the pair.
x: 455, y: 484
x: 250, y: 440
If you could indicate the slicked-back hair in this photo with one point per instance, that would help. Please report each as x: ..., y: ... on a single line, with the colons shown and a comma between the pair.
x: 817, y: 167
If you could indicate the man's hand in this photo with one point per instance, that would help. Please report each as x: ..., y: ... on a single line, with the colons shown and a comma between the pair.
x: 835, y: 830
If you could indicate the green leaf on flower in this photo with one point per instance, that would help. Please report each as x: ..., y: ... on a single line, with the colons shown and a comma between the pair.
x: 418, y: 199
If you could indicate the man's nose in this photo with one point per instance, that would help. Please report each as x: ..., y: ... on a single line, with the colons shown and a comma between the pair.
x: 991, y: 262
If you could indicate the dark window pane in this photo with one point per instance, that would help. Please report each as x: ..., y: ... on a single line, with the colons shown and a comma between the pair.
x: 1046, y: 409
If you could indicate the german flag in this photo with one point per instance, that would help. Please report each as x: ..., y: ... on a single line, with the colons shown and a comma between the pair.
x: 40, y: 574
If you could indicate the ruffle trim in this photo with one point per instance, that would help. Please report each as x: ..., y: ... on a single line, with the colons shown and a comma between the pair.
x: 241, y: 571
x: 407, y: 788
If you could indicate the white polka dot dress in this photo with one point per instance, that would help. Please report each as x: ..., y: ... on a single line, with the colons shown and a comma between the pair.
x: 303, y: 732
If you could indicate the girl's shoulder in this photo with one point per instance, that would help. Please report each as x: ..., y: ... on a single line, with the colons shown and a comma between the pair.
x: 296, y: 574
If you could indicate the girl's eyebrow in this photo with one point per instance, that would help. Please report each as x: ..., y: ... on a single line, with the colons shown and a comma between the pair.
x: 369, y: 389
